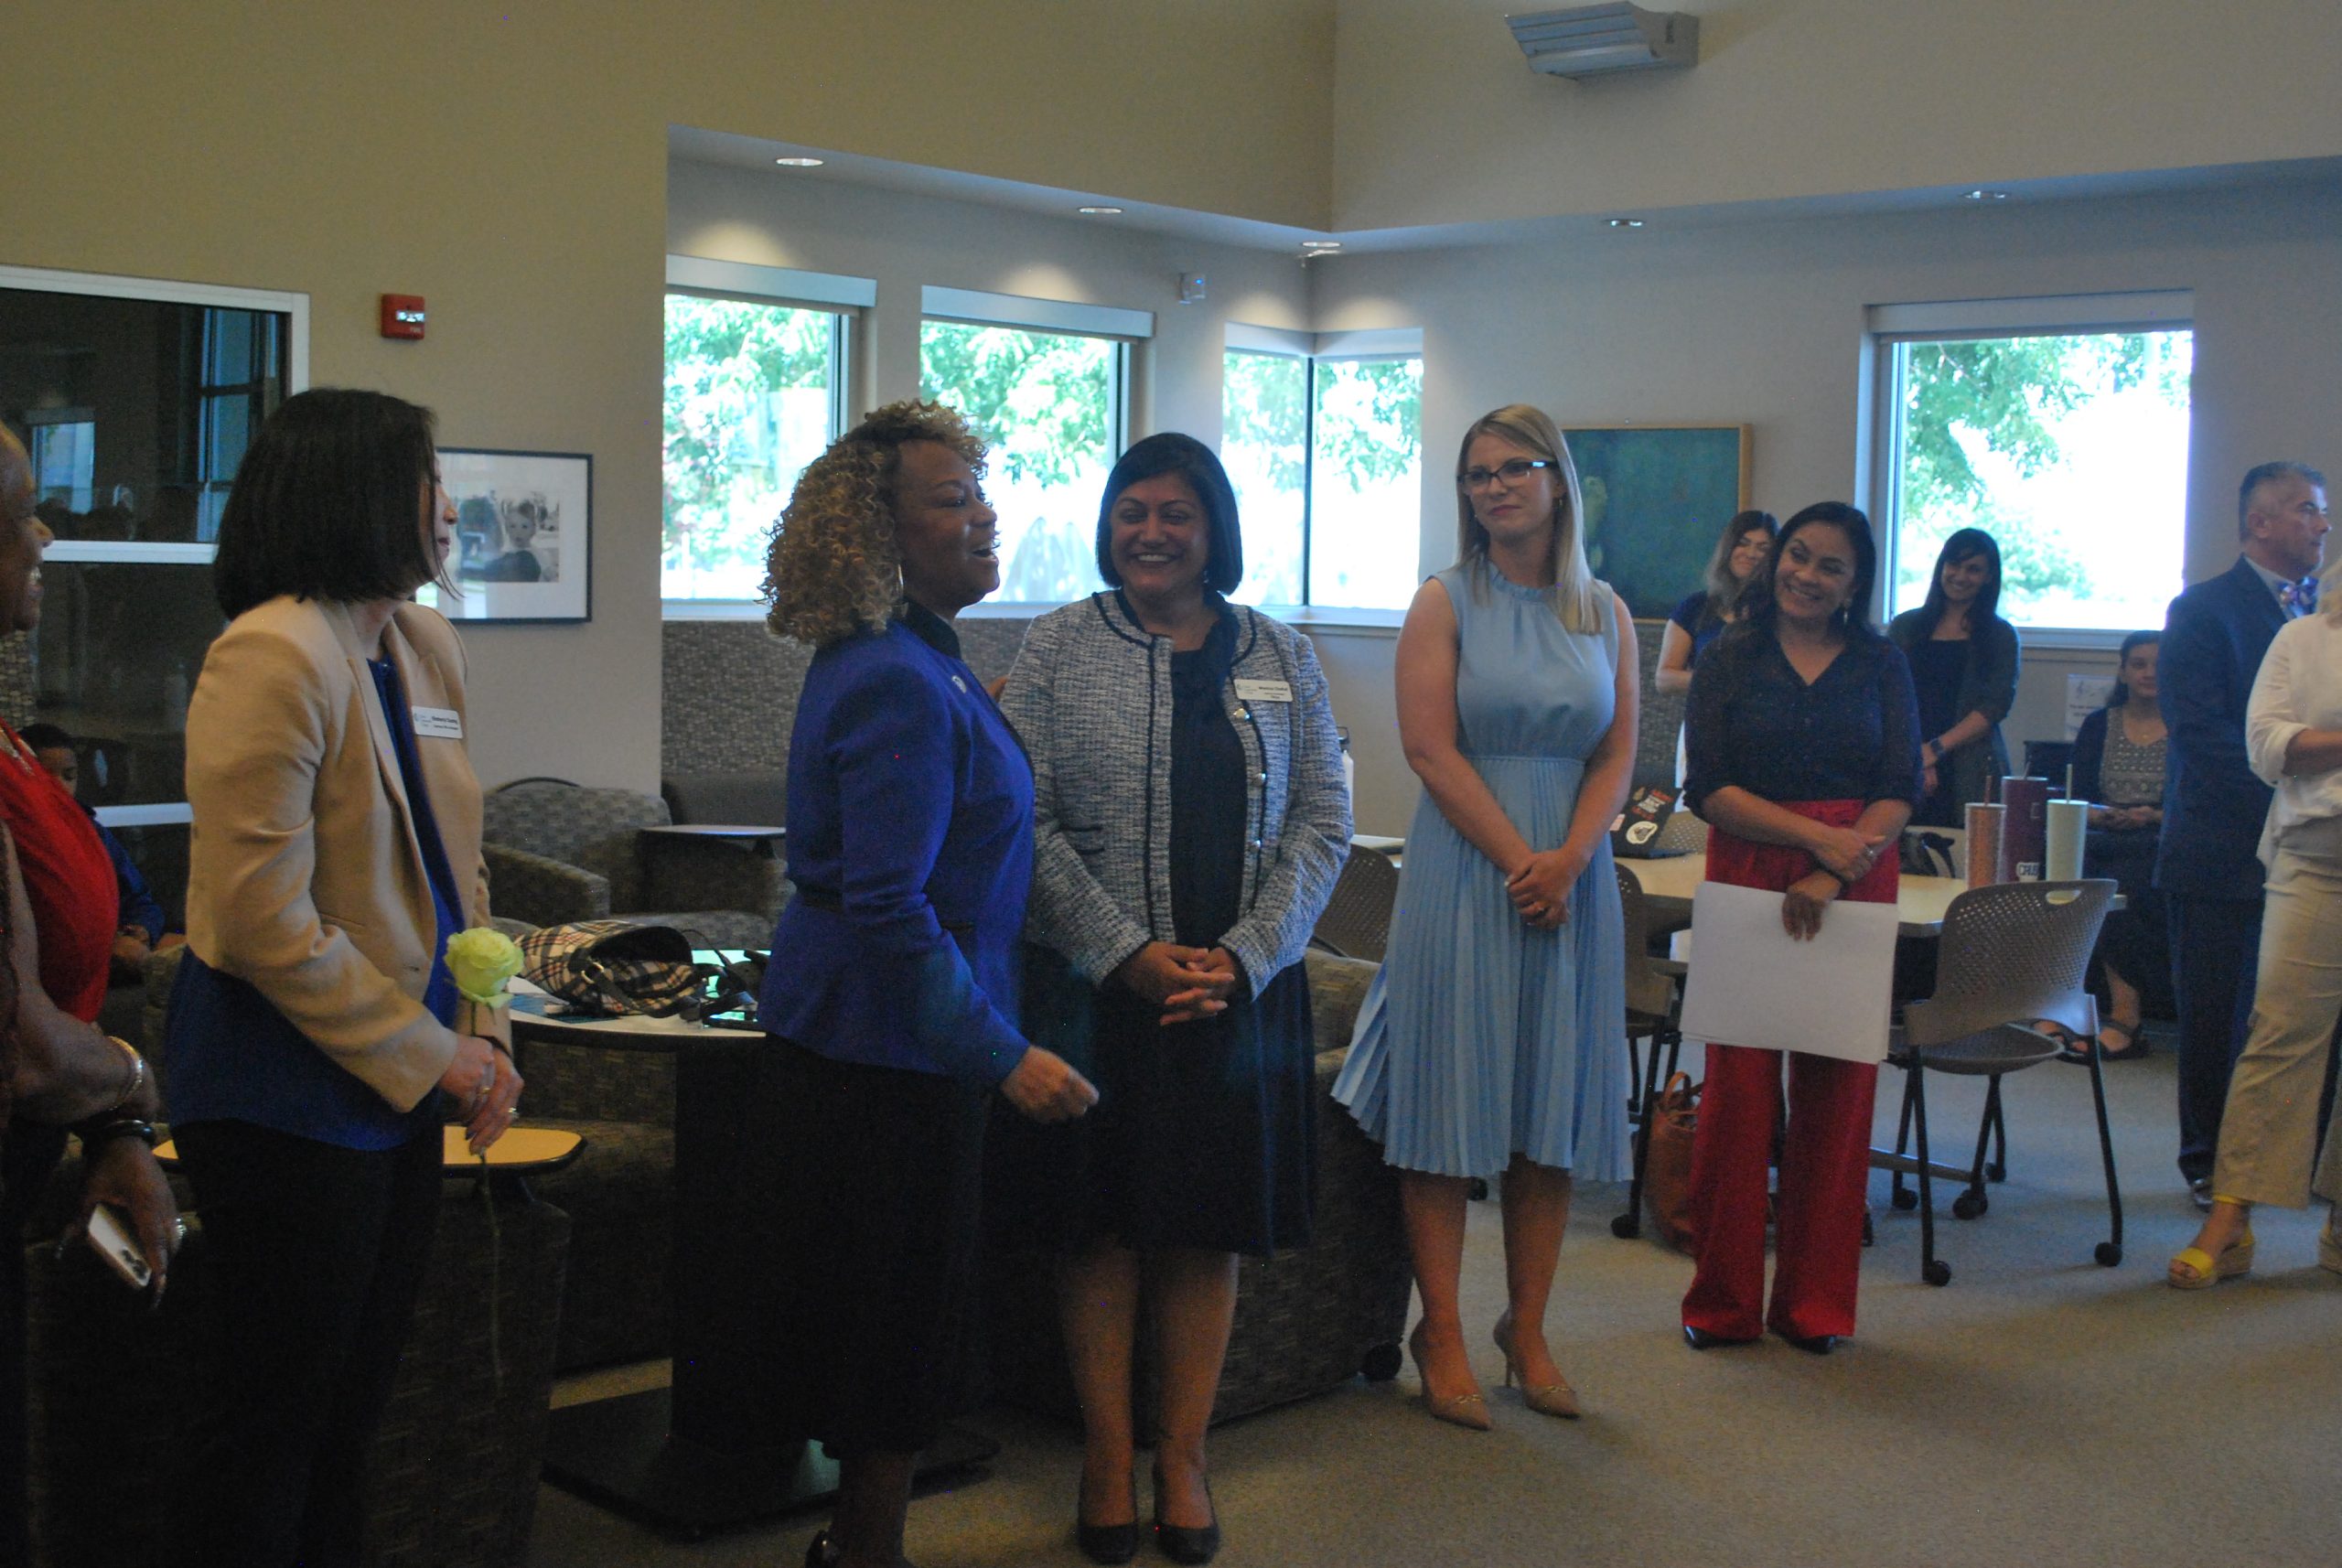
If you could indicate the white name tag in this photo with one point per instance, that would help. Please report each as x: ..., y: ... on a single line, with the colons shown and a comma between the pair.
x: 1263, y: 691
x: 438, y: 724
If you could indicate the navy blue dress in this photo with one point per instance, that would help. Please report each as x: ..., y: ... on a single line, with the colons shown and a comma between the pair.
x: 1203, y: 1135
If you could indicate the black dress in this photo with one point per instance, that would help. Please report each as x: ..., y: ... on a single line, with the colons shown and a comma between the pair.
x: 1936, y: 670
x: 1203, y: 1135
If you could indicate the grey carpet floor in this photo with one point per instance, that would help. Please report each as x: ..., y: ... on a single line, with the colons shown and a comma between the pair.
x: 2039, y: 1409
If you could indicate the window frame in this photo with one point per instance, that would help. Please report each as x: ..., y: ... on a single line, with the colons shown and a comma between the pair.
x: 1886, y: 328
x: 844, y: 297
x: 294, y: 307
x: 1126, y: 329
x: 1359, y: 345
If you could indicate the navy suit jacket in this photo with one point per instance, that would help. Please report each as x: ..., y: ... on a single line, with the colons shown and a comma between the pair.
x: 2213, y: 641
x: 910, y: 841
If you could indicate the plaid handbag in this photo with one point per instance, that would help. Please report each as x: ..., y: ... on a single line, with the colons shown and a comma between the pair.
x: 615, y: 968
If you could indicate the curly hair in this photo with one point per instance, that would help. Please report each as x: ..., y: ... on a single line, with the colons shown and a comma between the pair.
x: 833, y: 568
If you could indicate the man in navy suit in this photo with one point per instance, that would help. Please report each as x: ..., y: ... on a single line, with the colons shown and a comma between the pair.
x: 2207, y: 866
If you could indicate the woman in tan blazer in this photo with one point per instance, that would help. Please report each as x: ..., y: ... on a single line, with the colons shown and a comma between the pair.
x: 316, y: 1040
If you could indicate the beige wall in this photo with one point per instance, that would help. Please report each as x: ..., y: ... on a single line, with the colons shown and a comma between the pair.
x: 1763, y: 323
x: 1438, y: 119
x: 509, y: 163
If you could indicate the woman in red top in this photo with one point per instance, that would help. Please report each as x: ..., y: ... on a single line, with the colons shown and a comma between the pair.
x: 55, y: 1068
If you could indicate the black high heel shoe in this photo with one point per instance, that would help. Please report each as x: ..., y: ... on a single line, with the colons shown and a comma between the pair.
x: 1700, y: 1340
x: 1190, y: 1545
x: 1107, y: 1543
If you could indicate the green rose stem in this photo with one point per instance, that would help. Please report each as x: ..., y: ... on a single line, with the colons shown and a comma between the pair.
x: 481, y: 961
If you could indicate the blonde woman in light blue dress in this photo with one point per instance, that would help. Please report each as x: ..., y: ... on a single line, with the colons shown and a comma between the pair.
x: 1493, y: 1040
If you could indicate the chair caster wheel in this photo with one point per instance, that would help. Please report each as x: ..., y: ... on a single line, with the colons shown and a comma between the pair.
x: 1996, y: 1171
x: 1968, y: 1205
x: 1479, y: 1190
x: 1625, y: 1227
x: 1937, y: 1272
x: 1381, y: 1364
x: 2109, y: 1253
x: 1906, y: 1199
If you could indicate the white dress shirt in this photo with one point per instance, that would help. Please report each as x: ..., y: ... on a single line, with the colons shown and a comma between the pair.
x: 2299, y: 688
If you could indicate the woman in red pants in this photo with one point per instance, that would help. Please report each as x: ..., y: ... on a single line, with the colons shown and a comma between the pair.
x: 1804, y: 747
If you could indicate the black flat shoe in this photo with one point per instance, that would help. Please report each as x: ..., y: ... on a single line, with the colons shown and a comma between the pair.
x: 1190, y: 1545
x: 820, y: 1553
x: 1700, y: 1340
x: 1107, y: 1543
x: 1814, y: 1343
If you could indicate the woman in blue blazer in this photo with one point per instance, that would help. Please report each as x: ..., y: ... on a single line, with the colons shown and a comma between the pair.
x: 892, y: 991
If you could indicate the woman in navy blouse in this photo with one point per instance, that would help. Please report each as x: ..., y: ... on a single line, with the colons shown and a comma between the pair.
x: 892, y: 989
x: 1804, y: 747
x: 1742, y: 551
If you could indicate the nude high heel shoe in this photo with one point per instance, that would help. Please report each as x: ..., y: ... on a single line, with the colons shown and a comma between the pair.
x: 1545, y: 1399
x: 1462, y: 1409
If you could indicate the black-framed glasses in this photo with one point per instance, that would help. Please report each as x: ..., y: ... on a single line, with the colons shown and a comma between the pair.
x: 1511, y: 473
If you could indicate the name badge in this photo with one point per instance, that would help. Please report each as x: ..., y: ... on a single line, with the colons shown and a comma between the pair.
x: 438, y: 724
x: 1263, y: 691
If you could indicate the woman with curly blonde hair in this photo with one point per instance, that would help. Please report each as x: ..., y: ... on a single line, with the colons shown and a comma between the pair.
x: 891, y: 996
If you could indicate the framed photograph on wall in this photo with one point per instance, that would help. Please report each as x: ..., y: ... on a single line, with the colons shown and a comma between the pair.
x: 524, y: 536
x: 1656, y: 498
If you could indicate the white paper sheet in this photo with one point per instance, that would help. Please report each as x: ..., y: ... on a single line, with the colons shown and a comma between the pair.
x: 1752, y: 984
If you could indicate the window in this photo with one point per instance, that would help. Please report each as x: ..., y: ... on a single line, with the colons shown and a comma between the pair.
x: 1264, y: 446
x: 137, y: 400
x: 1045, y: 385
x: 2060, y: 428
x: 1323, y: 442
x: 755, y: 391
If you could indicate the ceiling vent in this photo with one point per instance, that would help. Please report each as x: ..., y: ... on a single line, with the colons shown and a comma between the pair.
x: 1607, y: 40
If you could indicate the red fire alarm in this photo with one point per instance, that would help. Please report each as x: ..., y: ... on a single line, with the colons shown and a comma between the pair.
x: 402, y: 315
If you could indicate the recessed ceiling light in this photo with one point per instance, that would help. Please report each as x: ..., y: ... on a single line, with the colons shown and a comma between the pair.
x: 1100, y: 212
x: 798, y: 163
x: 1980, y: 193
x: 1626, y: 222
x: 1321, y: 244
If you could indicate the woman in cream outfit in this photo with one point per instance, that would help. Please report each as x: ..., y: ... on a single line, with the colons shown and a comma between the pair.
x: 2269, y: 1136
x: 316, y: 1040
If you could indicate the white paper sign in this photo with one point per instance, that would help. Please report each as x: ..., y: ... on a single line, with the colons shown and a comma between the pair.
x: 1752, y: 984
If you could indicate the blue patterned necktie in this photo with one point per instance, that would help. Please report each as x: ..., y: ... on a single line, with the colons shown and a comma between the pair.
x: 2299, y: 599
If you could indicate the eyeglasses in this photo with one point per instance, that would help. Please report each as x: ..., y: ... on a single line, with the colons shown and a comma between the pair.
x: 1511, y: 473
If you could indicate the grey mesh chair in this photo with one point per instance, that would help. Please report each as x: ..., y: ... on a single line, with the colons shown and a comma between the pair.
x: 2010, y: 955
x: 1357, y: 920
x: 1654, y: 1013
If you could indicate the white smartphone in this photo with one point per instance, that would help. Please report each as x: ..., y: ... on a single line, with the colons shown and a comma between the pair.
x: 110, y: 1234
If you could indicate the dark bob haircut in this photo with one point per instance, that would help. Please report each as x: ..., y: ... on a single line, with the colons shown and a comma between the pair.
x: 1848, y: 520
x: 1172, y: 453
x: 1965, y: 544
x: 328, y: 503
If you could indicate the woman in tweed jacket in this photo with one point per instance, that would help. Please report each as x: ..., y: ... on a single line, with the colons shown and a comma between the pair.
x: 1191, y: 818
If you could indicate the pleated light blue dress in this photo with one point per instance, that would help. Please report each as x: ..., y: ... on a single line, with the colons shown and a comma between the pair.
x: 1480, y: 1038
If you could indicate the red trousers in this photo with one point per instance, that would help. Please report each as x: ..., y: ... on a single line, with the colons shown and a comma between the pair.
x: 1825, y: 1144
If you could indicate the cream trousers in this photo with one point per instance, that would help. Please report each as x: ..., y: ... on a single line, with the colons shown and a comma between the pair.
x: 2269, y: 1135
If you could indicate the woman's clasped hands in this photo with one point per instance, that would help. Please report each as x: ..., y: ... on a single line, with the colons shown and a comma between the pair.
x: 1187, y: 984
x: 1540, y: 887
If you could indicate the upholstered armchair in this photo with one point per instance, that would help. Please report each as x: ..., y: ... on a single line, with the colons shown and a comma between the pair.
x: 559, y: 851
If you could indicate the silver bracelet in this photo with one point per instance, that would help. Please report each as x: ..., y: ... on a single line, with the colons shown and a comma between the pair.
x: 137, y: 1073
